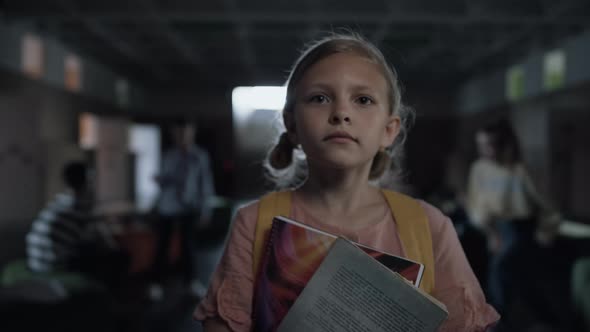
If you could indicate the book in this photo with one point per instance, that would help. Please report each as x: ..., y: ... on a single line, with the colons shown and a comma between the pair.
x: 350, y: 291
x: 294, y: 251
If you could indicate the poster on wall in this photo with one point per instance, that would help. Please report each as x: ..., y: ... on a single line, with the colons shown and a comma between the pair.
x: 72, y: 73
x: 554, y: 65
x: 88, y: 131
x: 32, y: 56
x: 515, y: 83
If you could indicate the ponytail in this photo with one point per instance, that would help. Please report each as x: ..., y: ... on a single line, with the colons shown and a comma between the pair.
x: 281, y: 156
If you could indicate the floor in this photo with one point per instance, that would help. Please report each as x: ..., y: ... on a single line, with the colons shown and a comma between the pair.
x: 129, y: 309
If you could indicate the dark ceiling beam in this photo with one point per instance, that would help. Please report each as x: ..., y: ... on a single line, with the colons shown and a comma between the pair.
x: 248, y: 53
x: 514, y: 37
x: 313, y: 30
x: 437, y: 43
x: 279, y: 17
x: 384, y: 27
x: 100, y: 31
x: 291, y: 33
x: 174, y: 37
x: 495, y: 48
x: 379, y: 35
x: 242, y: 28
x: 439, y: 40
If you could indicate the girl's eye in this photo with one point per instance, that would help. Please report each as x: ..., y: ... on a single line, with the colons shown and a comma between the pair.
x: 364, y: 100
x: 321, y: 99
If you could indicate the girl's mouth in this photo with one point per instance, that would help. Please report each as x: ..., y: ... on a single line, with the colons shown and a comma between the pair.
x: 340, y: 136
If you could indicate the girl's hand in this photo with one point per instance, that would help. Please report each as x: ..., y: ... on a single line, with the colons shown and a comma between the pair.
x: 548, y: 229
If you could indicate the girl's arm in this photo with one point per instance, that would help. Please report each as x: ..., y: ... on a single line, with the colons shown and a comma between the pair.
x: 215, y: 325
x: 455, y: 283
x: 228, y: 304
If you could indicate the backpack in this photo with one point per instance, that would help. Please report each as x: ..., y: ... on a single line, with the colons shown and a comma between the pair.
x: 411, y: 221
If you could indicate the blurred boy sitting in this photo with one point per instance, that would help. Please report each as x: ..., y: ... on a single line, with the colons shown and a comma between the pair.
x: 65, y: 237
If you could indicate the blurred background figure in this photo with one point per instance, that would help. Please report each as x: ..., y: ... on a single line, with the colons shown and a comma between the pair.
x: 186, y: 184
x: 73, y: 268
x: 65, y: 237
x: 504, y: 204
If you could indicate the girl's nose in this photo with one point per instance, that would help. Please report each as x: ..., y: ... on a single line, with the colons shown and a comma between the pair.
x: 338, y: 118
x: 339, y: 115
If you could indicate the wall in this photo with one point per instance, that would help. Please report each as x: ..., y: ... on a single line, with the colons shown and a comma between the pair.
x: 38, y: 131
x: 430, y: 141
x: 21, y: 160
x: 489, y: 91
x: 570, y: 161
x: 98, y: 81
x: 113, y: 162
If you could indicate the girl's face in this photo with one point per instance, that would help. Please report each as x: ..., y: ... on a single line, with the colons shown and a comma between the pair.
x: 341, y: 115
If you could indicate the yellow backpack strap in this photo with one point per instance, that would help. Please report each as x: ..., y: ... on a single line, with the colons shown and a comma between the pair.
x: 269, y: 206
x: 414, y: 231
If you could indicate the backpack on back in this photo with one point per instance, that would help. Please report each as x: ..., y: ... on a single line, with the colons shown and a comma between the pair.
x: 411, y: 221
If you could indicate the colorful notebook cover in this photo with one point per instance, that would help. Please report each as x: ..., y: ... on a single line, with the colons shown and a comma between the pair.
x: 294, y: 252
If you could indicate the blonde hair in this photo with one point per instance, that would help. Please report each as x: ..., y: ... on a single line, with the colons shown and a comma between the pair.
x: 285, y: 162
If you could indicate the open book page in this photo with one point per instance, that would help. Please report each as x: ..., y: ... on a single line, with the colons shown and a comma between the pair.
x: 352, y: 292
x: 294, y: 252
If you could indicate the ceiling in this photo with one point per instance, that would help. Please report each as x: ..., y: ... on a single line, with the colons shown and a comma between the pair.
x: 230, y: 42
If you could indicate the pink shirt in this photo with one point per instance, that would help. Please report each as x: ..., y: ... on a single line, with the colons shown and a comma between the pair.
x: 231, y: 288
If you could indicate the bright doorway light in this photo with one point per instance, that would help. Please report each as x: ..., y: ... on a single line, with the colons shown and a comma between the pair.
x: 144, y: 142
x: 257, y: 117
x: 247, y: 99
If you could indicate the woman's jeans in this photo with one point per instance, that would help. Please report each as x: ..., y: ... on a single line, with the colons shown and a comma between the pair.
x: 513, y: 268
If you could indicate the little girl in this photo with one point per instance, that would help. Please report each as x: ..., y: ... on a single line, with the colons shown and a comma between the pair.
x: 343, y: 112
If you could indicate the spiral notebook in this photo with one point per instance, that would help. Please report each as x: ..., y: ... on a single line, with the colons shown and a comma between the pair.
x: 294, y: 251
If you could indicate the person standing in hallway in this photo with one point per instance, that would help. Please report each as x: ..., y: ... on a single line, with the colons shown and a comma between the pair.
x: 503, y: 203
x: 186, y: 183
